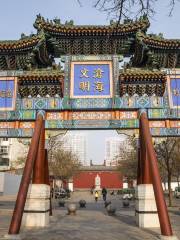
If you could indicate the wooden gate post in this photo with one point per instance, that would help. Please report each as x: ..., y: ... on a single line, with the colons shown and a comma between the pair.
x: 38, y: 170
x: 47, y: 180
x: 146, y: 211
x: 26, y: 178
x: 164, y: 220
x: 36, y: 212
x: 139, y: 170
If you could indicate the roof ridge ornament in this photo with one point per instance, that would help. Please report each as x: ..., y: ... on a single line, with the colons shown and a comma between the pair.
x: 142, y: 22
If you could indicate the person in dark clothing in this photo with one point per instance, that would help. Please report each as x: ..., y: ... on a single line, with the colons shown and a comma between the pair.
x: 52, y: 192
x: 112, y: 193
x: 104, y: 193
x: 92, y: 189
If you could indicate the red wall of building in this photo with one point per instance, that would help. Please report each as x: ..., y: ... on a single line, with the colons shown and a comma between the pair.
x: 86, y: 179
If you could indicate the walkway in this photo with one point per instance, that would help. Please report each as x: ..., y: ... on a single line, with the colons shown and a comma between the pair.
x: 92, y: 223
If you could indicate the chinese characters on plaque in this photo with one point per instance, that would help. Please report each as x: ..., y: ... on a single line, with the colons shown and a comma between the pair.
x: 7, y: 93
x: 91, y: 79
x: 175, y: 92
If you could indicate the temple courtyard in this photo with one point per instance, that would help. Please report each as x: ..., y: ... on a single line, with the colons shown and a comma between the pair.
x: 91, y: 222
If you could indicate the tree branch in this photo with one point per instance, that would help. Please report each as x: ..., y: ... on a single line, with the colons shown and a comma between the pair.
x: 124, y: 9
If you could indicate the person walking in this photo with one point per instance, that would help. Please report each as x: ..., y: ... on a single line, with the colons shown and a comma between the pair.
x: 96, y: 195
x: 104, y: 193
x: 92, y: 189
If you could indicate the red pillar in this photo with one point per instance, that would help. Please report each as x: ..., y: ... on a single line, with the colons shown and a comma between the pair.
x: 139, y: 170
x: 26, y: 178
x: 38, y: 171
x: 164, y: 220
x: 47, y: 181
x: 145, y: 168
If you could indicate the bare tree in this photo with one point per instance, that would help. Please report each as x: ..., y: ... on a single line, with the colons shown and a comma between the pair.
x: 125, y: 9
x: 54, y: 143
x: 163, y: 174
x: 64, y: 164
x: 127, y: 160
x: 18, y: 165
x: 167, y: 151
x: 176, y: 172
x: 18, y: 162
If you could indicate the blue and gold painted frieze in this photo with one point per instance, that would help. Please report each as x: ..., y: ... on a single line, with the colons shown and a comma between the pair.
x: 8, y: 86
x: 27, y: 133
x: 126, y: 102
x: 18, y: 115
x: 91, y: 79
x: 91, y: 112
x: 91, y: 76
x: 174, y: 89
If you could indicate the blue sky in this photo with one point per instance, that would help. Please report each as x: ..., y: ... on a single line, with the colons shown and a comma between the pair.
x: 18, y: 16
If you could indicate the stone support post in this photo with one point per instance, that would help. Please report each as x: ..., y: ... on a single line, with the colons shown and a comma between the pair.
x: 146, y: 210
x: 36, y: 211
x: 164, y: 220
x: 15, y: 224
x: 37, y: 208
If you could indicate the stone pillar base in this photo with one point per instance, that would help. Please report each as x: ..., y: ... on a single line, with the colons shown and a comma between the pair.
x: 12, y: 237
x: 37, y: 207
x: 146, y: 210
x: 168, y: 237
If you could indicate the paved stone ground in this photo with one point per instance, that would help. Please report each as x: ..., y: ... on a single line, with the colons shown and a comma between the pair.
x: 91, y: 223
x: 6, y: 210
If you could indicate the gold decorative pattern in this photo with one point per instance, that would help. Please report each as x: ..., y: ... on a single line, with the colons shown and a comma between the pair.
x: 174, y: 124
x: 91, y: 115
x: 7, y: 124
x: 54, y: 116
x: 128, y: 115
x: 26, y: 125
x: 157, y: 124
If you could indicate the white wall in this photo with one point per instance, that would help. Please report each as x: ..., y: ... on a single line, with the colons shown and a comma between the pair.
x: 11, y: 184
x: 173, y: 185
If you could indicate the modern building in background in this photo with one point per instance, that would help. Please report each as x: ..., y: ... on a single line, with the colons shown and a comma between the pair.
x: 10, y: 150
x: 112, y: 149
x: 125, y: 147
x: 76, y: 143
x: 5, y: 144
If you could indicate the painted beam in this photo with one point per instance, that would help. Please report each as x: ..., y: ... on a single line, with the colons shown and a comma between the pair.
x: 27, y: 133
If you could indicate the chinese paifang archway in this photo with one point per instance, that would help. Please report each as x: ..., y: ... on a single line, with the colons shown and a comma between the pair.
x: 91, y: 91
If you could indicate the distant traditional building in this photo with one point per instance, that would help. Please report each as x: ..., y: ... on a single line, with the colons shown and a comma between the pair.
x: 77, y: 144
x: 109, y: 177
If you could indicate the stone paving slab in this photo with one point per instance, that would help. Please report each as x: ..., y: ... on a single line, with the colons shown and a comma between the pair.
x: 91, y: 223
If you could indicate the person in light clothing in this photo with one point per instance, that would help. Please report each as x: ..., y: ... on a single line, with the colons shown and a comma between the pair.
x: 96, y: 195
